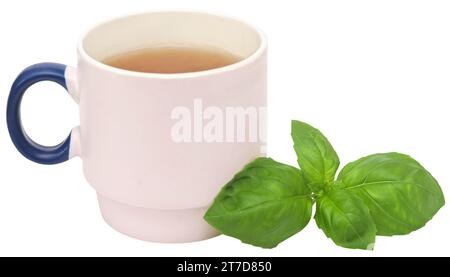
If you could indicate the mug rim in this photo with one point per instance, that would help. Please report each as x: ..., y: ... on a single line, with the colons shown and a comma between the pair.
x: 242, y: 63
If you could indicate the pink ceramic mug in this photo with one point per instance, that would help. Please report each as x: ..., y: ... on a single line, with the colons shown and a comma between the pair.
x: 157, y: 148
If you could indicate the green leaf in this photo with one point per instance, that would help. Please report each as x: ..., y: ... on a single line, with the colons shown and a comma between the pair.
x: 345, y: 219
x: 316, y: 156
x: 401, y: 195
x: 264, y: 204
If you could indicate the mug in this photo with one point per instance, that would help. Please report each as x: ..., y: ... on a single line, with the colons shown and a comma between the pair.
x: 145, y: 139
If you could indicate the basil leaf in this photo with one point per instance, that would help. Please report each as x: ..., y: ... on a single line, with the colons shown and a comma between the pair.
x: 264, y: 204
x: 316, y: 156
x: 345, y: 219
x: 401, y: 195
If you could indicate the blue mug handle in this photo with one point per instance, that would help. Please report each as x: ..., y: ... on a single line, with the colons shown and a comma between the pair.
x: 33, y: 151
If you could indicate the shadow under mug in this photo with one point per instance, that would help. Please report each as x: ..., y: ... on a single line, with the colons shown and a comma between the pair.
x: 151, y: 185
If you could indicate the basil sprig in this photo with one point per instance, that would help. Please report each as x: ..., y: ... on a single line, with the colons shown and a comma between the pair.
x: 381, y: 194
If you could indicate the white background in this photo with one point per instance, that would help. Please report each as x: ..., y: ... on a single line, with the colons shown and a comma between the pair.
x: 374, y: 76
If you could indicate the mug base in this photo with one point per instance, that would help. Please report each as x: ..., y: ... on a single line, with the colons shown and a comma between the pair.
x: 169, y: 226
